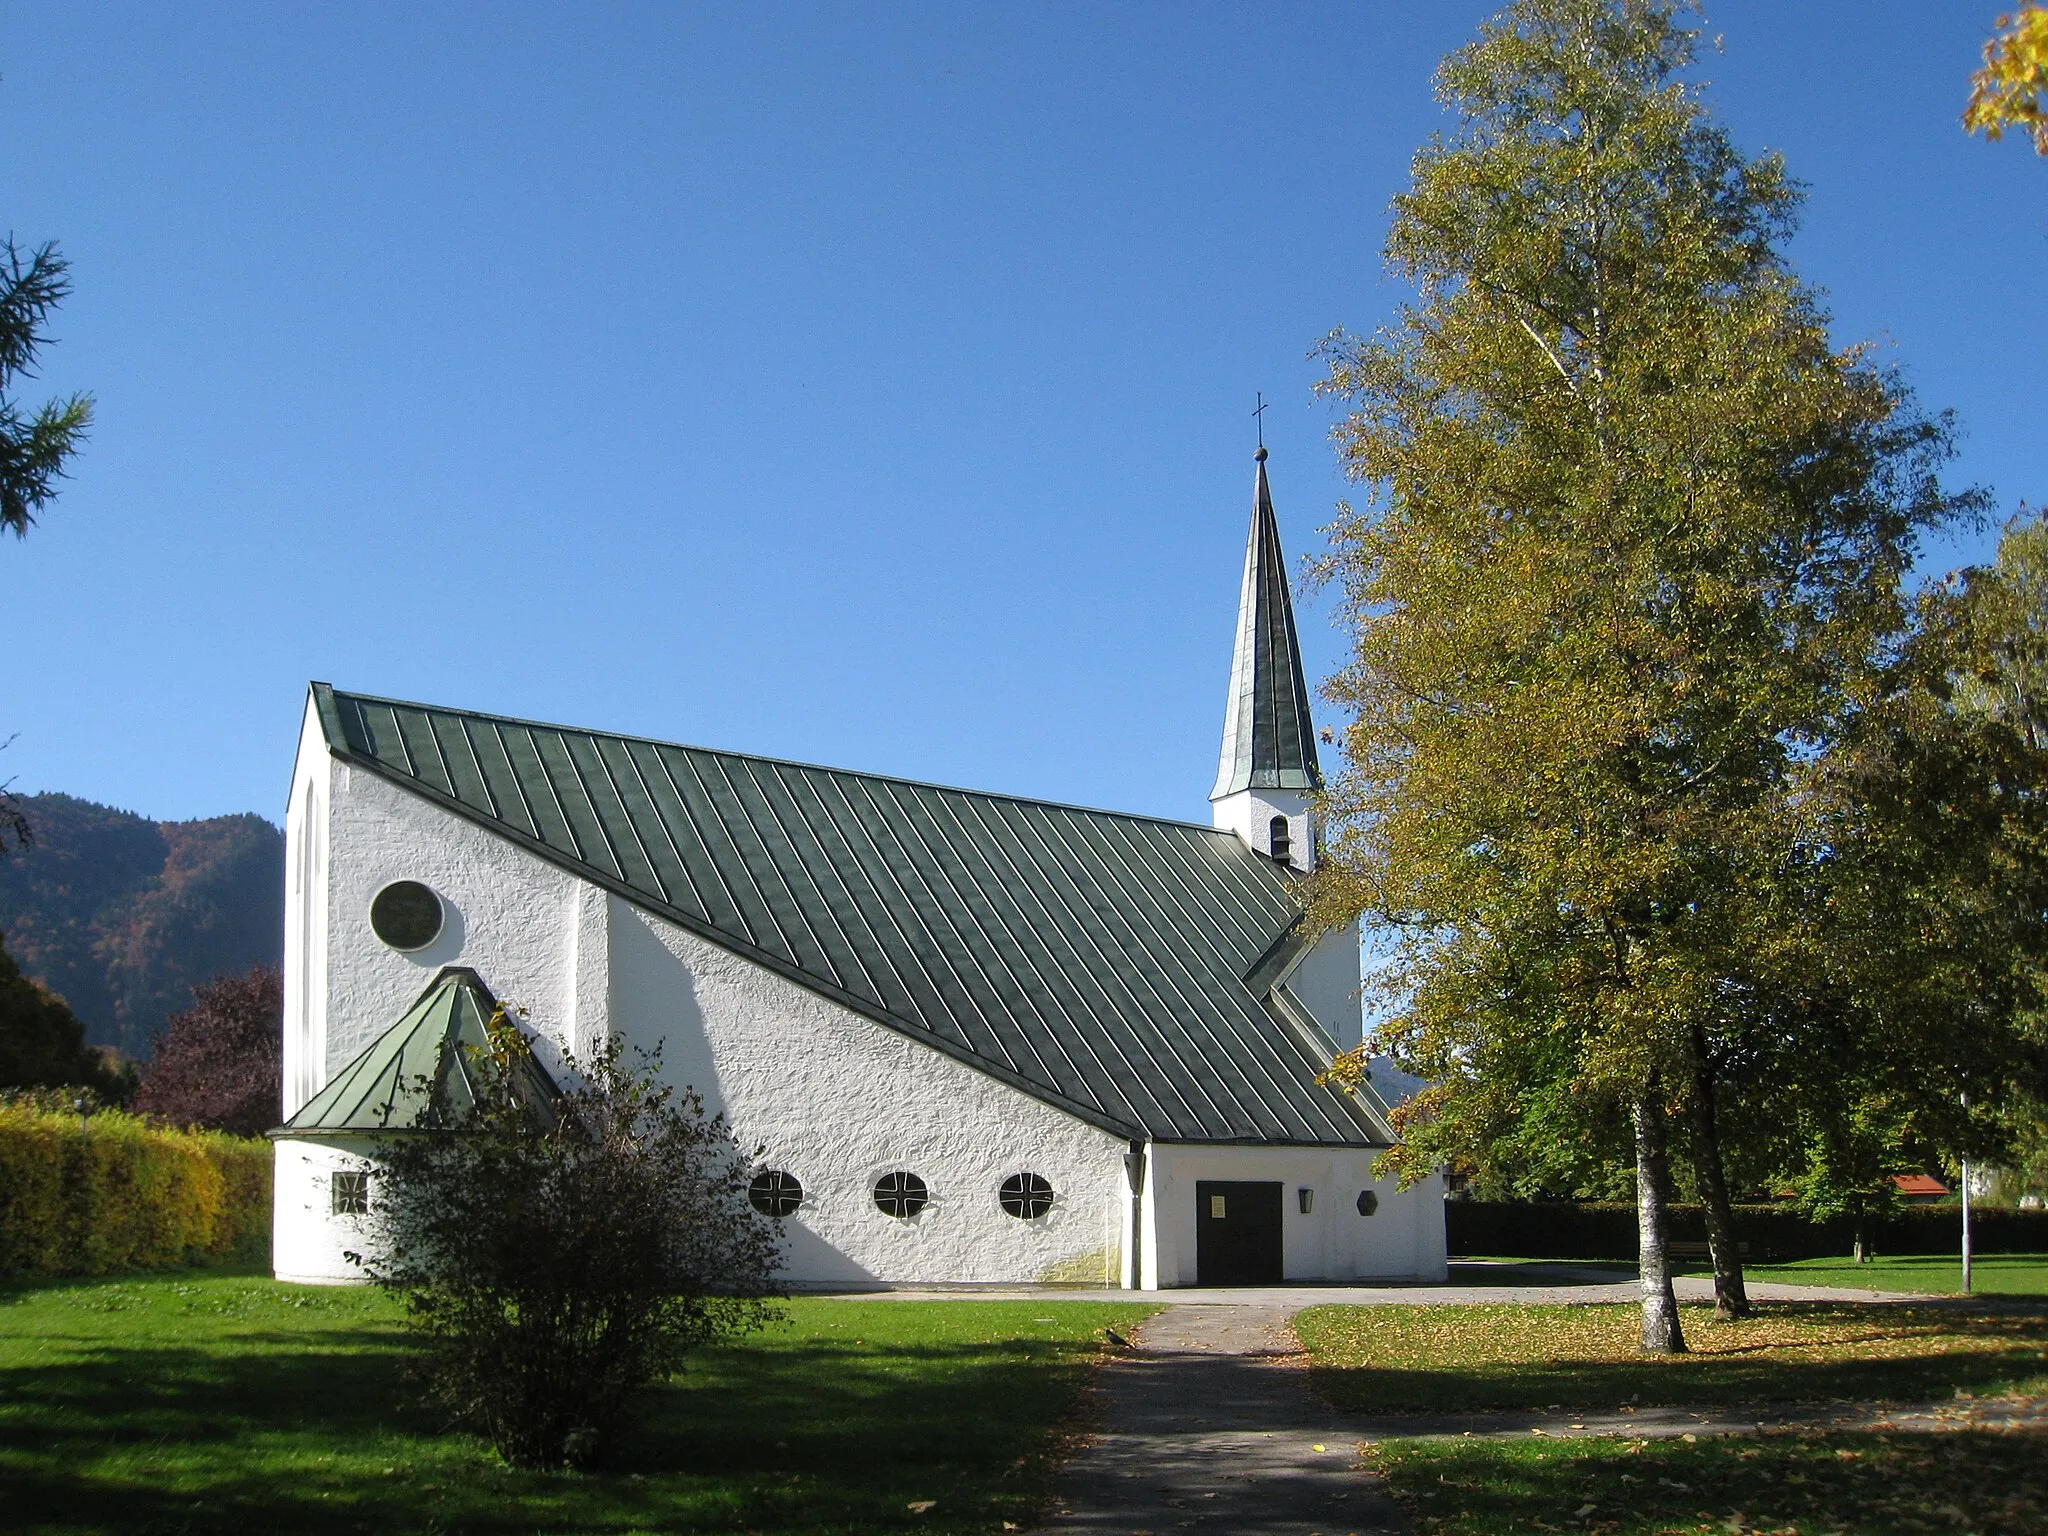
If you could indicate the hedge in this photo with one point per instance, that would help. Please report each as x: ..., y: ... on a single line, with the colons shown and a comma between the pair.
x: 118, y: 1192
x: 1575, y: 1230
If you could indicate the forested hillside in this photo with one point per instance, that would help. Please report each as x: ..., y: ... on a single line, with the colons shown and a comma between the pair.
x: 122, y: 916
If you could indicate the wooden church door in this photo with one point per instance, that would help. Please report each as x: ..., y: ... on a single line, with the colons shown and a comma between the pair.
x: 1237, y: 1233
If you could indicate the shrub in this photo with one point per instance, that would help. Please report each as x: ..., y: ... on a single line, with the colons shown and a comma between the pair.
x: 114, y: 1192
x: 557, y: 1253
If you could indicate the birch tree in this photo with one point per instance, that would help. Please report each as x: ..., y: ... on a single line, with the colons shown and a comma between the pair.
x: 1629, y: 551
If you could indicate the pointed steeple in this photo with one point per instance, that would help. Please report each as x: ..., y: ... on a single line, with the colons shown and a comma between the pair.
x: 1269, y: 741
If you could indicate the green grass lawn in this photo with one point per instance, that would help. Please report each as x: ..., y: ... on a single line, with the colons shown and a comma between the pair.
x: 204, y: 1402
x: 1403, y: 1359
x: 1993, y: 1274
x: 1992, y: 1484
x: 1389, y: 1359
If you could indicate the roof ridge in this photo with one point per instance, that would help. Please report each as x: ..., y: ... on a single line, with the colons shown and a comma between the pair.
x: 783, y: 762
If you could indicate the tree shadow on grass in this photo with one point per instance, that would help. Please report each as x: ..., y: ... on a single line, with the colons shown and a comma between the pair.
x: 1975, y: 1355
x: 319, y: 1436
x: 1859, y: 1484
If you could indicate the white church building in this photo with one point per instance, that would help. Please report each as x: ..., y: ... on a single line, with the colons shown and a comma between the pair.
x: 980, y: 1039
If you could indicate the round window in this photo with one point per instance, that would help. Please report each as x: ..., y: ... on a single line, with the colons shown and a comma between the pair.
x: 406, y: 915
x: 1026, y: 1196
x: 775, y: 1193
x: 900, y: 1194
x: 1368, y: 1202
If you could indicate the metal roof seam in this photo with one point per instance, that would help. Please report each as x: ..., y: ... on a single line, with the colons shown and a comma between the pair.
x: 774, y: 851
x: 483, y: 779
x: 632, y: 822
x: 571, y: 844
x: 961, y: 941
x: 761, y: 903
x: 398, y: 735
x: 1102, y: 1019
x: 567, y: 744
x: 1132, y: 893
x: 914, y: 953
x: 1049, y: 991
x: 426, y: 725
x: 1199, y: 918
x: 1130, y: 953
x: 689, y: 819
x: 526, y: 809
x: 867, y: 940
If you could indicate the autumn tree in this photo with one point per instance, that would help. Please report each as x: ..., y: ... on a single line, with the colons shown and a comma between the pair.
x: 220, y: 1063
x: 2011, y: 90
x: 1632, y: 544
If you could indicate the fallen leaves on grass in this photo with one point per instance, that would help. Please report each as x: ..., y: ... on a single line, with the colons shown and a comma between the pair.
x: 1391, y: 1359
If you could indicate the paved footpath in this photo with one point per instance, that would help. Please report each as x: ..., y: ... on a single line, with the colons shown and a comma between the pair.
x: 1207, y: 1427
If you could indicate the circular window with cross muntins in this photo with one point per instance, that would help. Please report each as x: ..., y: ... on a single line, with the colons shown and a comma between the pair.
x: 407, y: 915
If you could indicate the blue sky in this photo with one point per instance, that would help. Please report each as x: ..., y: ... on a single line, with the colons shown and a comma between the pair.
x: 862, y: 384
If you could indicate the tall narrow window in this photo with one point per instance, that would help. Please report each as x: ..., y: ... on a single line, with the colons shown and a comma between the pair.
x: 1281, y: 845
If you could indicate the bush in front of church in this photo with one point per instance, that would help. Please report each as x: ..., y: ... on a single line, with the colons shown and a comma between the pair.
x: 555, y: 1258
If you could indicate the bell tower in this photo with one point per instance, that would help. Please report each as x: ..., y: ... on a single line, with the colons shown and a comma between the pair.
x: 1268, y: 771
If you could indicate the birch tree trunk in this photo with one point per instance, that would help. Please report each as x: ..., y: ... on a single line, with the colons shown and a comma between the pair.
x: 1661, y: 1332
x: 1731, y: 1296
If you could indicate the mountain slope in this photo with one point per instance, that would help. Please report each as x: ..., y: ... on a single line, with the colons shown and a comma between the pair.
x: 122, y: 916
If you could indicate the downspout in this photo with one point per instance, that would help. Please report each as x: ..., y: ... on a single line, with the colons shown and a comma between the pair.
x: 1134, y: 1174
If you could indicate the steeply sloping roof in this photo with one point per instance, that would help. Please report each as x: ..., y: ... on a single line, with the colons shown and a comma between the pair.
x: 1269, y: 741
x: 1096, y: 961
x: 420, y: 1073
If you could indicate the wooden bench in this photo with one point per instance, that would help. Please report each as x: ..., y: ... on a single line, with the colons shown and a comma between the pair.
x: 1701, y: 1253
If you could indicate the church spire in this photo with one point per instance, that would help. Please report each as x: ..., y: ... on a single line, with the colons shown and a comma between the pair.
x: 1269, y: 740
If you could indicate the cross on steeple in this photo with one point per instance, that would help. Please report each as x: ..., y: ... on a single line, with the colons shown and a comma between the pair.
x: 1259, y: 416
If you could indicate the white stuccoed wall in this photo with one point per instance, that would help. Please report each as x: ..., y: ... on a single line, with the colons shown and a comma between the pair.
x: 1250, y: 812
x: 308, y: 1243
x: 1325, y: 981
x: 1402, y: 1240
x: 828, y: 1095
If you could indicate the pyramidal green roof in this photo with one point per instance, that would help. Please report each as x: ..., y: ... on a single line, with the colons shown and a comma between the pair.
x: 1269, y: 741
x: 420, y: 1074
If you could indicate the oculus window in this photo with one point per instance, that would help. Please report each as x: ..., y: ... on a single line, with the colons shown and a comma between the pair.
x: 348, y: 1194
x: 1027, y: 1196
x: 901, y: 1194
x: 775, y: 1193
x: 406, y: 915
x: 1368, y: 1202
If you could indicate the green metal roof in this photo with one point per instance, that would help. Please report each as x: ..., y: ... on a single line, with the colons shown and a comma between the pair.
x: 1269, y: 741
x: 1111, y: 965
x: 420, y: 1074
